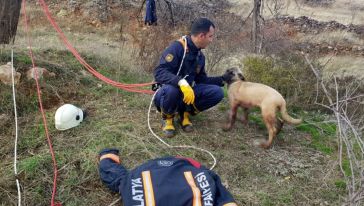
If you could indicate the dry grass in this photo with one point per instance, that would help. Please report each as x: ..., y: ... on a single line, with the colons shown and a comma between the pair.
x: 343, y: 11
x: 284, y: 175
x: 293, y: 172
x: 111, y: 45
x: 331, y: 38
x: 344, y: 66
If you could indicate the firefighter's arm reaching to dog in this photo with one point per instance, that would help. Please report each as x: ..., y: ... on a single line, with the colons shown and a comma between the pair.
x: 203, y: 78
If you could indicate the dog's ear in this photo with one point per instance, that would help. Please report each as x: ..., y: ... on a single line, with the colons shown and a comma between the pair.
x: 241, y: 77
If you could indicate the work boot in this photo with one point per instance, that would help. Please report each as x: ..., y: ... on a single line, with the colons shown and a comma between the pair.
x: 185, y: 122
x: 167, y: 125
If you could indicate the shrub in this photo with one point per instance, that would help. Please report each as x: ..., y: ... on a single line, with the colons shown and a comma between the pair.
x: 287, y: 74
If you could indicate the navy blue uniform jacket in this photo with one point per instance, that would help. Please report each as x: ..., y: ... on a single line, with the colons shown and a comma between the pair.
x: 167, y: 181
x: 193, y: 69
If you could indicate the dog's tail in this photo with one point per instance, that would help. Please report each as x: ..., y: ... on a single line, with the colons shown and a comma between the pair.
x: 286, y: 116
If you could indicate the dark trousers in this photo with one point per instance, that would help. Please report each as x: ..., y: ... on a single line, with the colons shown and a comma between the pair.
x: 169, y: 99
x: 150, y: 13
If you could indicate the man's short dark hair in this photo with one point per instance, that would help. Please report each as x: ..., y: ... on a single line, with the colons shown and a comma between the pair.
x: 201, y: 25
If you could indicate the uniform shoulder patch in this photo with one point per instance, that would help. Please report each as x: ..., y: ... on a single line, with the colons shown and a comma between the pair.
x: 169, y: 57
x: 165, y: 163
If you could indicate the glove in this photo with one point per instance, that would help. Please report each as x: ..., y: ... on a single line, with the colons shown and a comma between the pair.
x: 112, y: 154
x: 188, y: 94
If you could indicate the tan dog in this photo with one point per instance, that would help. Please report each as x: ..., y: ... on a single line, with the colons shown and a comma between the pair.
x: 247, y: 95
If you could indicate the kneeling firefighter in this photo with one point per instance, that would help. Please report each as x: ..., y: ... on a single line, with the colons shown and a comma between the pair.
x: 186, y: 89
x: 168, y: 181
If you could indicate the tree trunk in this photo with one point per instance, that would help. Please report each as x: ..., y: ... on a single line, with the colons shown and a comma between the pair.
x: 170, y: 11
x: 9, y: 16
x: 256, y: 25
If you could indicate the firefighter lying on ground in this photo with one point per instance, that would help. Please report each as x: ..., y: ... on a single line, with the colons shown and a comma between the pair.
x: 167, y: 181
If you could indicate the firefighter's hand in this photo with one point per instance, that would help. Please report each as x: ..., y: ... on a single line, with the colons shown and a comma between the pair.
x: 188, y: 94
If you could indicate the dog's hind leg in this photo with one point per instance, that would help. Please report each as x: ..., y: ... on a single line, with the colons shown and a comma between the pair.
x: 232, y: 117
x: 269, y: 118
x: 279, y: 125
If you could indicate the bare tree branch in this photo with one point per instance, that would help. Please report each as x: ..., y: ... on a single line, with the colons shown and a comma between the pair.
x: 350, y: 140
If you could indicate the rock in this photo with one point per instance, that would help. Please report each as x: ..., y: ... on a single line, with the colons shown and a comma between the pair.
x: 307, y: 25
x: 96, y: 23
x: 5, y: 74
x: 98, y: 9
x: 86, y: 73
x: 62, y: 13
x: 73, y: 5
x: 41, y: 72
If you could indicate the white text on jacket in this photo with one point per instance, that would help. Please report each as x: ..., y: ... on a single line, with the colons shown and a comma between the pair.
x: 137, y: 191
x: 206, y: 189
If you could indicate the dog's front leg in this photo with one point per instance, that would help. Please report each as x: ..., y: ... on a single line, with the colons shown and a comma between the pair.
x: 232, y: 118
x: 244, y: 119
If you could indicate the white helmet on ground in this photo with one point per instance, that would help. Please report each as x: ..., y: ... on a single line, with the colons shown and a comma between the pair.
x: 68, y: 116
